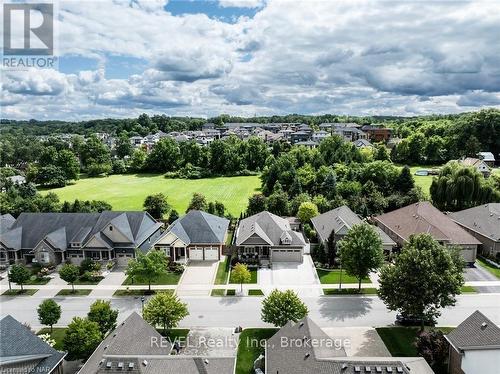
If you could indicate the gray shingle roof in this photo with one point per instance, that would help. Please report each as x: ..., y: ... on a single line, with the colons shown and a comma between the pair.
x: 6, y: 221
x: 303, y: 348
x: 19, y: 347
x: 198, y: 227
x: 62, y: 228
x: 340, y: 220
x: 484, y: 219
x: 475, y: 332
x: 267, y: 226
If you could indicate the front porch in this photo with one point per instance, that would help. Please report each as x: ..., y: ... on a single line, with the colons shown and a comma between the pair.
x: 254, y: 255
x: 176, y: 254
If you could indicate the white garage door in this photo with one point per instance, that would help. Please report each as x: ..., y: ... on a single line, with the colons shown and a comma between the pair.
x: 286, y: 255
x: 211, y: 254
x: 122, y: 260
x: 195, y: 254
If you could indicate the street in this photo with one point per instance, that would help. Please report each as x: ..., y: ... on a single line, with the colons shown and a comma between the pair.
x: 245, y: 311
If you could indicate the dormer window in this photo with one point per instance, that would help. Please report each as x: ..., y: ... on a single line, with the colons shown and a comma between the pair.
x: 110, y: 228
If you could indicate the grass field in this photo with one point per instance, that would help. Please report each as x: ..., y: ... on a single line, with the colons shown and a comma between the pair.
x: 333, y: 277
x: 253, y: 276
x: 248, y: 350
x: 223, y: 271
x: 493, y: 270
x: 135, y: 292
x: 166, y: 279
x: 349, y: 291
x: 128, y: 191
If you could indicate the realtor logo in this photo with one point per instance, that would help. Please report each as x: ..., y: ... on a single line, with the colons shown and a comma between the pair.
x: 28, y: 36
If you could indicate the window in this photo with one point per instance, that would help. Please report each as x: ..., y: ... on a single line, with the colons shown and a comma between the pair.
x: 110, y: 228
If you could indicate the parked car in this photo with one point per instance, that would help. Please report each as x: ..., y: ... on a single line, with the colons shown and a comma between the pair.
x: 404, y: 320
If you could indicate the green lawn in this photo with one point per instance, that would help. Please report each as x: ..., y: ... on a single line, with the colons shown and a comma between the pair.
x: 493, y: 270
x: 333, y: 277
x: 400, y: 340
x: 248, y: 350
x: 468, y: 289
x: 253, y: 274
x: 18, y: 292
x: 35, y: 281
x: 231, y: 292
x: 166, y: 279
x: 86, y: 282
x: 57, y: 334
x: 77, y: 292
x: 255, y: 293
x: 223, y: 271
x: 128, y: 191
x: 218, y: 292
x: 139, y: 292
x: 350, y: 291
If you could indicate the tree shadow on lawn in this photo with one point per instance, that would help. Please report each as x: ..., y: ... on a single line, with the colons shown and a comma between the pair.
x: 333, y: 309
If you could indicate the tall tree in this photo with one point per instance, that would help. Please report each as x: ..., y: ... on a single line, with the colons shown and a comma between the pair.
x: 81, y: 339
x: 147, y: 267
x: 166, y: 310
x: 198, y: 202
x: 282, y: 306
x: 156, y: 205
x: 49, y: 313
x: 19, y: 274
x: 256, y: 203
x: 102, y: 313
x: 361, y: 251
x: 123, y: 146
x: 405, y: 181
x: 424, y: 278
x: 307, y: 210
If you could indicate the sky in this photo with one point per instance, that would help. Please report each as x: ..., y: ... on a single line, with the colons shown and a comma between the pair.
x: 262, y: 57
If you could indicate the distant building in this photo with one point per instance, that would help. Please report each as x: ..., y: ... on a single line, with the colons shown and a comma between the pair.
x: 308, y: 144
x: 17, y: 179
x: 21, y: 351
x: 362, y: 143
x: 377, y: 133
x: 474, y: 346
x: 299, y: 136
x: 318, y: 136
x: 487, y: 157
x: 476, y: 163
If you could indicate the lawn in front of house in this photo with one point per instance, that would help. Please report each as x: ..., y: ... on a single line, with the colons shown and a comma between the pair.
x: 255, y: 292
x: 223, y: 271
x: 333, y: 277
x: 57, y: 334
x: 253, y: 276
x: 487, y: 266
x: 128, y: 191
x: 77, y: 292
x: 349, y: 291
x: 136, y: 292
x: 36, y: 281
x: 88, y: 282
x: 170, y: 278
x: 18, y: 292
x: 248, y: 352
x: 468, y: 289
x: 400, y: 340
x: 218, y: 292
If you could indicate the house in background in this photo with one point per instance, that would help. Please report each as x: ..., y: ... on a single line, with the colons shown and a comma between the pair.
x: 21, y: 351
x: 339, y: 221
x: 474, y: 346
x: 377, y: 133
x: 304, y: 348
x: 196, y: 236
x: 424, y: 218
x: 483, y: 222
x: 136, y: 347
x: 487, y: 157
x: 269, y: 238
x: 52, y: 238
x: 362, y: 143
x: 479, y: 165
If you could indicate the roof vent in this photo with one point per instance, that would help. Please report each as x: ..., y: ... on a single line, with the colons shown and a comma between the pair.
x: 378, y: 369
x: 368, y: 369
x: 344, y: 366
x: 130, y: 365
x: 357, y: 369
x: 206, y: 361
x: 145, y: 363
x: 399, y: 369
x: 106, y: 347
x: 484, y: 325
x: 301, y: 324
x: 108, y: 365
x: 101, y: 362
x: 389, y: 369
x: 307, y: 355
x: 120, y: 365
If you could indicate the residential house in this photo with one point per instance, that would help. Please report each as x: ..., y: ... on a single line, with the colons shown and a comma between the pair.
x: 57, y: 237
x: 377, y: 133
x: 474, y: 346
x: 196, y: 236
x: 308, y: 144
x: 479, y: 165
x: 318, y: 136
x: 269, y: 238
x: 350, y: 134
x: 487, y: 157
x: 304, y: 348
x: 339, y: 221
x: 136, y: 347
x: 424, y: 218
x: 17, y: 179
x: 299, y: 136
x: 483, y: 222
x: 362, y: 143
x: 22, y: 351
x: 136, y: 141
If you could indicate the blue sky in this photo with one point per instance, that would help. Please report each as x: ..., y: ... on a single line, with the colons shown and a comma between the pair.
x: 247, y: 57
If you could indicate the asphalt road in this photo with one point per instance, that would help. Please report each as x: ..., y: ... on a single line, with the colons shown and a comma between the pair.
x: 245, y: 311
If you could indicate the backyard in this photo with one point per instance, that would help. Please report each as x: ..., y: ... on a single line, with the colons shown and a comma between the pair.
x: 249, y: 348
x: 128, y: 191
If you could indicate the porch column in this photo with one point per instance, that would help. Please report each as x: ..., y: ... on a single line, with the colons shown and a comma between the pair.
x: 174, y: 250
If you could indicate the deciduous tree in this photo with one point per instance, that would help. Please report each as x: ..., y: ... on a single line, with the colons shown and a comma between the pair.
x: 165, y: 309
x: 282, y: 306
x: 49, y: 313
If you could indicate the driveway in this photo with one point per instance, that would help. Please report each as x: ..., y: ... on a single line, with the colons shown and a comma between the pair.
x: 479, y: 274
x: 112, y: 281
x: 198, y: 278
x: 300, y: 277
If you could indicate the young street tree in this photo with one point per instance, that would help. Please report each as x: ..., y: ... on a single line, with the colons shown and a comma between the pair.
x: 165, y: 309
x: 283, y: 306
x: 101, y: 313
x: 240, y: 274
x: 156, y: 205
x: 19, y: 274
x: 148, y: 267
x: 424, y: 278
x: 361, y: 251
x: 49, y: 313
x: 82, y: 338
x: 69, y: 273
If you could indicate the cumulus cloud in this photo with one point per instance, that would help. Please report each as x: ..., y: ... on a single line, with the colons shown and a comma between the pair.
x: 241, y: 3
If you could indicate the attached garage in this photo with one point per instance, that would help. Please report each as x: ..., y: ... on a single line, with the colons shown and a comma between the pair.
x: 286, y: 255
x: 123, y: 259
x: 211, y: 254
x: 196, y: 254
